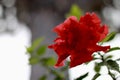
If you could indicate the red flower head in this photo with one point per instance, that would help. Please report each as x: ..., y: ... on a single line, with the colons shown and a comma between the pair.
x: 78, y: 39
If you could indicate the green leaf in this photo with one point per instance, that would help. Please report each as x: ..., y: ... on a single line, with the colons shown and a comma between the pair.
x: 96, y: 76
x: 44, y: 77
x: 65, y: 68
x: 50, y: 61
x: 29, y: 50
x: 96, y: 58
x: 108, y: 57
x: 109, y: 37
x: 75, y: 11
x: 113, y: 49
x: 37, y: 42
x: 97, y: 67
x: 33, y: 60
x: 34, y: 45
x: 82, y: 77
x: 41, y: 50
x: 118, y: 59
x: 58, y: 78
x: 57, y: 73
x: 113, y: 65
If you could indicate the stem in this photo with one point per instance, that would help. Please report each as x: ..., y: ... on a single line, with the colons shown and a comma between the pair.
x: 109, y: 72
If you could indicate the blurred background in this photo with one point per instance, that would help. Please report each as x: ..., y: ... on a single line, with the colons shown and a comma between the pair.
x: 23, y: 21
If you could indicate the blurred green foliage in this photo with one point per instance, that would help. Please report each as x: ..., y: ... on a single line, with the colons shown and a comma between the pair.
x: 75, y: 11
x: 37, y: 52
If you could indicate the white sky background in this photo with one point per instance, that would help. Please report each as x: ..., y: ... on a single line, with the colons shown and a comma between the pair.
x: 13, y: 60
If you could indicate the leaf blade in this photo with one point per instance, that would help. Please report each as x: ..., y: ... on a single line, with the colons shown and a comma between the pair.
x: 113, y: 65
x: 109, y: 37
x: 49, y: 61
x: 82, y: 77
x: 113, y: 49
x: 97, y: 67
x: 41, y: 50
x: 33, y: 60
x: 96, y: 76
x: 37, y: 42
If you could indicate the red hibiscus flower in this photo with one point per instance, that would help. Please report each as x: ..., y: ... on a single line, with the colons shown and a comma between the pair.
x: 79, y: 39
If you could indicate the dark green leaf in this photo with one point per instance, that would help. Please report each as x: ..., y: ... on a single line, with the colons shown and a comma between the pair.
x: 113, y: 49
x: 44, y: 77
x: 82, y: 77
x: 113, y: 65
x: 33, y: 60
x: 50, y: 61
x: 109, y: 37
x: 75, y: 11
x: 101, y: 64
x: 41, y: 50
x: 96, y: 76
x: 58, y: 78
x: 118, y: 59
x: 96, y: 58
x: 112, y: 75
x: 97, y: 67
